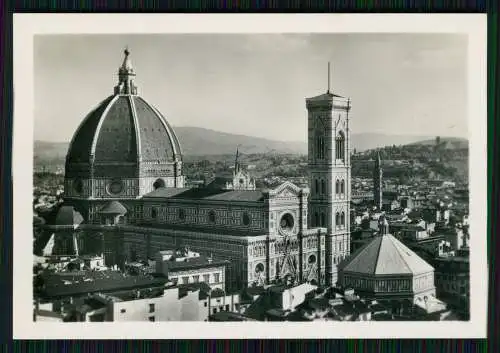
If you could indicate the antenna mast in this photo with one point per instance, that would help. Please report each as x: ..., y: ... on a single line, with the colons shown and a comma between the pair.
x: 328, y: 91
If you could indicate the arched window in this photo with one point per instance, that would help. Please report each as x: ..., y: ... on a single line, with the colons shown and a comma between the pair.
x: 316, y: 186
x: 323, y: 187
x: 337, y: 219
x: 211, y: 216
x: 154, y: 213
x: 340, y: 146
x: 316, y: 219
x: 320, y: 147
x: 337, y: 187
x: 342, y: 187
x: 342, y: 219
x: 323, y: 219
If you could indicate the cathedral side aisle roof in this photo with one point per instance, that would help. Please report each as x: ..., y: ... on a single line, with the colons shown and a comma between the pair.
x: 207, y: 194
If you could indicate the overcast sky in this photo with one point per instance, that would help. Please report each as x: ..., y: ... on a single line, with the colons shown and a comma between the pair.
x: 409, y: 84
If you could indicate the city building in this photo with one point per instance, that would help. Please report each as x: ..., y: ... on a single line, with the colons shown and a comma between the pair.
x: 124, y: 176
x: 184, y: 266
x: 453, y: 278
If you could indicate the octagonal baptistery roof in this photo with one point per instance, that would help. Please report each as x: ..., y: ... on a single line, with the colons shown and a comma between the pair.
x: 385, y: 255
x: 123, y: 131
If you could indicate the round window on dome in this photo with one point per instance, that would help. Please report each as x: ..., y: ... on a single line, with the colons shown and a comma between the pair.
x: 115, y: 187
x: 287, y: 222
x: 259, y: 268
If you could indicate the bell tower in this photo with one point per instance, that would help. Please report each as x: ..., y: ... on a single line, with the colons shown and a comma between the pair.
x: 329, y: 163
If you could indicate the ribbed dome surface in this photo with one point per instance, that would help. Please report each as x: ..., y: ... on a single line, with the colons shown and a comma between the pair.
x: 124, y: 128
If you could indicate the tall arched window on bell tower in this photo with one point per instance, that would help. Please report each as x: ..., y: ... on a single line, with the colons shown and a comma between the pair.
x: 320, y: 147
x: 340, y: 146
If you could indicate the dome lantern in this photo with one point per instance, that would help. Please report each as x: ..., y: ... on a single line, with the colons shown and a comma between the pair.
x: 383, y: 225
x: 126, y: 76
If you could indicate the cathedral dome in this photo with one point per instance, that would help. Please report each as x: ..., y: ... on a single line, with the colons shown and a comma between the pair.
x: 123, y: 148
x: 124, y: 128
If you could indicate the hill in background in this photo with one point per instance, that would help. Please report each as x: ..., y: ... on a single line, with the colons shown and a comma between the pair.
x: 200, y: 141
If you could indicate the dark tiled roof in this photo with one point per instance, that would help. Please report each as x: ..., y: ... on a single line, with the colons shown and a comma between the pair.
x: 219, y: 230
x: 228, y: 316
x: 92, y: 282
x: 255, y: 290
x: 113, y: 207
x: 318, y: 304
x: 116, y: 137
x: 219, y: 182
x: 38, y: 220
x: 94, y: 304
x: 193, y: 263
x: 157, y: 142
x: 324, y: 96
x: 207, y: 194
x: 112, y: 129
x: 190, y: 287
x: 48, y: 313
x: 80, y: 148
x: 217, y: 293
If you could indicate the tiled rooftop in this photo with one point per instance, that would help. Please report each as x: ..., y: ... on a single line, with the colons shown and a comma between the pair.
x: 207, y: 194
x: 193, y: 263
x: 64, y: 285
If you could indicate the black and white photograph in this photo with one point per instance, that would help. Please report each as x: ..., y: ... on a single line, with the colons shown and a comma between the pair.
x: 288, y: 179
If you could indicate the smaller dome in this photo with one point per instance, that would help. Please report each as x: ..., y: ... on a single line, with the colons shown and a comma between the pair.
x: 113, y: 207
x: 68, y: 216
